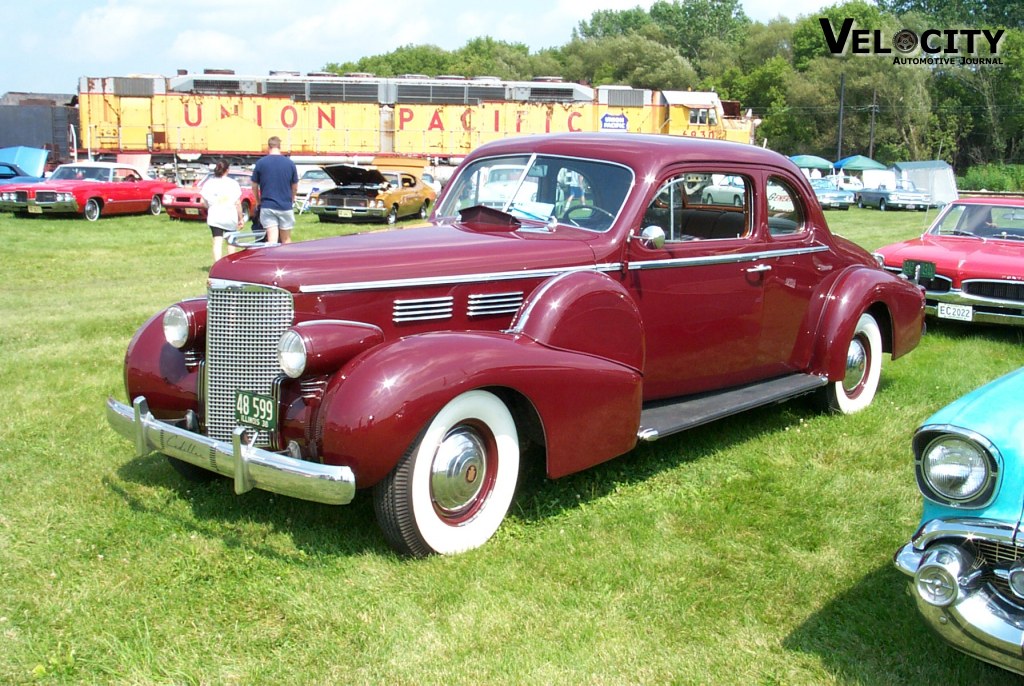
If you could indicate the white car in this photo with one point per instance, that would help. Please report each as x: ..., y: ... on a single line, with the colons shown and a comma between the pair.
x: 846, y: 182
x: 725, y: 190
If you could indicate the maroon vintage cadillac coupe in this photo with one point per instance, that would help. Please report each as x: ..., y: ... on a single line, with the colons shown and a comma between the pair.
x: 607, y: 300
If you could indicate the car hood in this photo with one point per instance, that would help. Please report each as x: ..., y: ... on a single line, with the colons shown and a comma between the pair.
x: 347, y: 174
x: 961, y: 257
x: 992, y: 410
x: 392, y: 259
x: 31, y: 160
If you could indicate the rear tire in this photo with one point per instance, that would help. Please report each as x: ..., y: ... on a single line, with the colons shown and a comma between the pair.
x: 863, y: 369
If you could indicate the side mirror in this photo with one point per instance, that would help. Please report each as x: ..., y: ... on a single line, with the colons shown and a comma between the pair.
x: 652, y: 236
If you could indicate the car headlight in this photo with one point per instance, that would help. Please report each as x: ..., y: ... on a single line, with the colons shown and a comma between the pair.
x: 167, y: 199
x: 176, y: 326
x: 956, y: 469
x: 291, y: 354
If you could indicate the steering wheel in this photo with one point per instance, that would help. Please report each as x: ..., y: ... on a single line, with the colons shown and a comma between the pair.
x: 587, y: 214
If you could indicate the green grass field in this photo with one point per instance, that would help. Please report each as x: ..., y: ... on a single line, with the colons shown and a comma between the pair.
x: 753, y: 551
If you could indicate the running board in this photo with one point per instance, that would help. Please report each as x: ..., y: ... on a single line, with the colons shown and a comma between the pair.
x: 666, y: 417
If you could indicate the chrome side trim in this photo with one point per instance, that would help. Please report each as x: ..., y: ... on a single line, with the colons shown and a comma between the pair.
x: 249, y: 466
x: 728, y: 258
x: 456, y: 279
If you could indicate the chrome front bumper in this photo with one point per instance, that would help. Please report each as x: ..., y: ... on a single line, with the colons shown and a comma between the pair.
x: 977, y: 620
x: 998, y: 312
x: 250, y: 467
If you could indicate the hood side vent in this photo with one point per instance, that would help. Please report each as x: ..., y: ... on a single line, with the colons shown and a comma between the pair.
x: 423, y: 309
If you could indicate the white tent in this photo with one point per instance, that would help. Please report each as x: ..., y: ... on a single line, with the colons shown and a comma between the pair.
x: 934, y: 176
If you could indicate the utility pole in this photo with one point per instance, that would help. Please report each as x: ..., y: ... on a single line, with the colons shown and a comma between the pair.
x: 874, y: 111
x: 842, y: 101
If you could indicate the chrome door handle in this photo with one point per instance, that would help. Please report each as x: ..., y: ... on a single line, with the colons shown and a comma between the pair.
x: 759, y: 268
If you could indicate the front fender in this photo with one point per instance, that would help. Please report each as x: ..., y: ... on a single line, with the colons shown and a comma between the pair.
x: 157, y: 370
x: 375, y: 407
x: 896, y: 304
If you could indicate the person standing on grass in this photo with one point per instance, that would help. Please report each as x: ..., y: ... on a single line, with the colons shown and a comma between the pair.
x: 274, y: 182
x: 223, y: 199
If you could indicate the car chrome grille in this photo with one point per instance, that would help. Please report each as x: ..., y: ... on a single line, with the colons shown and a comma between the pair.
x: 938, y: 284
x: 46, y: 196
x: 355, y: 202
x: 21, y: 196
x: 1010, y: 291
x: 244, y: 324
x: 998, y: 554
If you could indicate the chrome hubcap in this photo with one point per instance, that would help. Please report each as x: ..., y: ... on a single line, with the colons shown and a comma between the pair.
x: 856, y: 365
x: 459, y: 470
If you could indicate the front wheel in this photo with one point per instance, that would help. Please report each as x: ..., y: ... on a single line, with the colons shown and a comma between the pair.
x: 155, y: 206
x: 392, y: 217
x: 450, y: 492
x: 863, y: 369
x: 881, y: 204
x: 92, y: 209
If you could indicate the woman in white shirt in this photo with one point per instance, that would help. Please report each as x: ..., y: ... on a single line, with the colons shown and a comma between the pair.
x: 223, y: 199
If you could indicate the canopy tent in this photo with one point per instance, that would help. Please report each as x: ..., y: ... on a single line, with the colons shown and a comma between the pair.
x: 858, y: 163
x: 811, y: 162
x: 934, y: 176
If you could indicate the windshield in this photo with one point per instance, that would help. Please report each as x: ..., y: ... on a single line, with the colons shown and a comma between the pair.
x: 823, y: 185
x: 981, y: 220
x: 72, y: 172
x: 584, y: 193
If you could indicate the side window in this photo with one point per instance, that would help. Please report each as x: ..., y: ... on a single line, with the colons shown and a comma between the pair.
x: 701, y: 206
x: 785, y: 213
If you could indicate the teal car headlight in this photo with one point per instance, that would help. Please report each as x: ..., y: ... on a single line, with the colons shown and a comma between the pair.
x: 955, y: 469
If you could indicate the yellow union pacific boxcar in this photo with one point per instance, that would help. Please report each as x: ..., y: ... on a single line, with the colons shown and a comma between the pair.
x: 218, y: 113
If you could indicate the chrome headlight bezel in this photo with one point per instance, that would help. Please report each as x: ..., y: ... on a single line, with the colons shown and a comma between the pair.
x: 956, y: 467
x: 177, y: 326
x: 292, y: 353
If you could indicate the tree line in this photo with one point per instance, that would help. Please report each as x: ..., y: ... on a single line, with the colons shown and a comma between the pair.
x: 786, y: 73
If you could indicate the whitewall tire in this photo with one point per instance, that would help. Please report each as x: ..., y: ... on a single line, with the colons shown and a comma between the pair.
x: 863, y: 369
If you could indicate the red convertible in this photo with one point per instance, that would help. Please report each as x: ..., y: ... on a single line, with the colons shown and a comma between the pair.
x: 87, y: 188
x: 187, y: 203
x: 970, y: 261
x: 613, y: 303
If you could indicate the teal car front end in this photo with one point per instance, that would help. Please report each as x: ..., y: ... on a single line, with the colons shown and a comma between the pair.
x: 966, y: 561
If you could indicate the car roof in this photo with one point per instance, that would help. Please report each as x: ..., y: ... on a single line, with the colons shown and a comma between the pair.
x: 647, y: 151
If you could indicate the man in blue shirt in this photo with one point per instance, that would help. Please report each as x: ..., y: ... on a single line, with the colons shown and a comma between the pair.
x: 274, y: 182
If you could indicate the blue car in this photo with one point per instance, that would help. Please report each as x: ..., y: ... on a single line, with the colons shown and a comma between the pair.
x: 966, y: 560
x: 831, y: 196
x: 22, y: 165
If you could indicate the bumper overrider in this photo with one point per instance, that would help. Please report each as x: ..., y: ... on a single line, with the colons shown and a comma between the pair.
x: 250, y: 467
x: 954, y: 593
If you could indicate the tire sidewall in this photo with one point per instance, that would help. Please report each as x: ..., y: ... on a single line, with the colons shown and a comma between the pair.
x: 839, y: 399
x: 484, y: 409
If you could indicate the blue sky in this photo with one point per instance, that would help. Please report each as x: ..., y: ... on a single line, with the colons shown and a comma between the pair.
x: 51, y: 43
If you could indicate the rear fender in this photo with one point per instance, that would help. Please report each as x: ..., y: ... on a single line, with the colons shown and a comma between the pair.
x: 896, y: 304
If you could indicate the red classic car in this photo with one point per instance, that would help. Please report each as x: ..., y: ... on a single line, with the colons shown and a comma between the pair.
x: 611, y: 304
x: 970, y: 261
x: 187, y: 202
x: 89, y: 189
